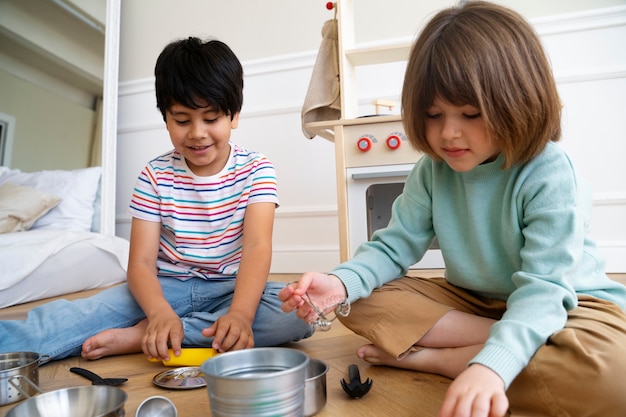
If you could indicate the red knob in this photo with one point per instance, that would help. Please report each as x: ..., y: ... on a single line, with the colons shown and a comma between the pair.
x: 394, y: 141
x: 330, y: 5
x: 364, y: 144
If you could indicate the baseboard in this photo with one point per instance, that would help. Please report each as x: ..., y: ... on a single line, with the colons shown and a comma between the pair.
x: 290, y: 261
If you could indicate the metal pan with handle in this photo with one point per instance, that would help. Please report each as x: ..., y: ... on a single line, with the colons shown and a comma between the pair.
x: 15, y: 368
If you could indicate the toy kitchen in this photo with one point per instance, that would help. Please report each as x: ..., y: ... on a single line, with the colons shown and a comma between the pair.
x: 373, y: 159
x: 372, y: 154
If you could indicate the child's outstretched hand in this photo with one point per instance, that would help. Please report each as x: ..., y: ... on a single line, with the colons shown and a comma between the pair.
x: 322, y: 290
x: 476, y: 392
x: 230, y: 332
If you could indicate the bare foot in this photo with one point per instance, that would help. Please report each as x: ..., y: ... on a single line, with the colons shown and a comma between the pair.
x: 448, y: 362
x: 115, y: 342
x: 376, y: 356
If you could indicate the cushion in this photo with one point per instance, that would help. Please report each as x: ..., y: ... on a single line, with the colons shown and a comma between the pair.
x: 21, y: 206
x: 76, y: 188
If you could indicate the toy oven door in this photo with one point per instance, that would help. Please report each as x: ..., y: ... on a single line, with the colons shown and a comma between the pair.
x: 371, y: 192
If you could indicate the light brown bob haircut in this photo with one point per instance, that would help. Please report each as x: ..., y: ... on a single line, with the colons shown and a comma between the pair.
x: 489, y: 57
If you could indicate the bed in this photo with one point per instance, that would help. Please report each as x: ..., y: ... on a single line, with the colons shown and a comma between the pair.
x: 50, y: 244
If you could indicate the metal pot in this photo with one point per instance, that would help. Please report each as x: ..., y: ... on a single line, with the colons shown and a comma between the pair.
x: 15, y: 367
x: 85, y: 401
x: 315, y: 387
x: 256, y: 382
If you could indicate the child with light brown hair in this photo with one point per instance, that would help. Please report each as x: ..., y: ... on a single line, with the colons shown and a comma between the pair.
x: 525, y: 320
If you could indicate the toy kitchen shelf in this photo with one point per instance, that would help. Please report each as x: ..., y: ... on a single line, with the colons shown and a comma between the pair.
x: 372, y: 144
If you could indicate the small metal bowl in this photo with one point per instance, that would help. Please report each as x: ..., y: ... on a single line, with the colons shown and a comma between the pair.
x: 315, y: 387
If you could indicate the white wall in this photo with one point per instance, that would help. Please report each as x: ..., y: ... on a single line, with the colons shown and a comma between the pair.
x: 51, y: 132
x: 589, y: 64
x: 268, y: 28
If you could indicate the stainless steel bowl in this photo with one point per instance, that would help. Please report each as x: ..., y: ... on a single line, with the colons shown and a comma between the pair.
x: 86, y: 401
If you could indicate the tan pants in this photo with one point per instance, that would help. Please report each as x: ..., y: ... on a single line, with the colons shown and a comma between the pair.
x: 579, y: 372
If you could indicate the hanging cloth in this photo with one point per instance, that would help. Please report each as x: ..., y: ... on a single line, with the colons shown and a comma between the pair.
x: 322, y: 101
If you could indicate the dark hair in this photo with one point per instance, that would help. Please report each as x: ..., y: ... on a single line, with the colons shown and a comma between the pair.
x: 487, y: 56
x: 198, y: 74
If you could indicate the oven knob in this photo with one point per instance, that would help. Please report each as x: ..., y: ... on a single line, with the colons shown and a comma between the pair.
x: 364, y: 143
x: 394, y: 141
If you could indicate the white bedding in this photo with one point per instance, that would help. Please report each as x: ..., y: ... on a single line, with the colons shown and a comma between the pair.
x: 44, y: 263
x: 49, y: 244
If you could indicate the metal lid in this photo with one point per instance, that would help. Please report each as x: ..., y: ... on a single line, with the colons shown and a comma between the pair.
x: 189, y: 377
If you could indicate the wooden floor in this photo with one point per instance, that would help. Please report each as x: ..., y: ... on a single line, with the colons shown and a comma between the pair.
x: 395, y: 392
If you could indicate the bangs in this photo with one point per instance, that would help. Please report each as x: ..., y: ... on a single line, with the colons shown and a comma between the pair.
x: 449, y: 76
x: 186, y: 85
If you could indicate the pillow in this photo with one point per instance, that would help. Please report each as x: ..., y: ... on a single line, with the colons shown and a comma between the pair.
x: 20, y: 207
x: 76, y: 188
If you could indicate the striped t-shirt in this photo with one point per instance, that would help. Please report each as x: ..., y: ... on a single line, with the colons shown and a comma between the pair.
x: 202, y: 217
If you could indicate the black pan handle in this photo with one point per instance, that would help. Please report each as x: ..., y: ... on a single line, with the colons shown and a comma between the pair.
x: 87, y: 374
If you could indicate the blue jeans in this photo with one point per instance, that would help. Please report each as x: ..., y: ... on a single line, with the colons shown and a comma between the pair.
x: 59, y: 328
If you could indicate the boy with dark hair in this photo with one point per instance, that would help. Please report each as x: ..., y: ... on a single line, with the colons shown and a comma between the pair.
x: 201, y: 236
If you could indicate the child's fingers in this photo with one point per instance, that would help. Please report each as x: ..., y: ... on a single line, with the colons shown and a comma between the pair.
x: 176, y: 345
x: 290, y: 300
x: 219, y: 335
x: 209, y: 331
x: 287, y: 292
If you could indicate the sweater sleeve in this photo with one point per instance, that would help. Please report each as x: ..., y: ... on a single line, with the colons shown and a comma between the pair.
x: 392, y: 250
x: 553, y: 212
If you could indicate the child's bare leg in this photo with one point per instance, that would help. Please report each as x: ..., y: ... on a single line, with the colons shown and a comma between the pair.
x: 115, y: 342
x: 445, y: 349
x: 457, y: 329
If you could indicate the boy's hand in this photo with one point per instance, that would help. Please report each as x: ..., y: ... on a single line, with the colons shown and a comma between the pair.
x: 476, y: 392
x: 163, y: 332
x: 230, y: 332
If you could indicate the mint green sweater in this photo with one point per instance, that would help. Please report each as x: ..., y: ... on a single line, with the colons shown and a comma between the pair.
x: 519, y: 235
